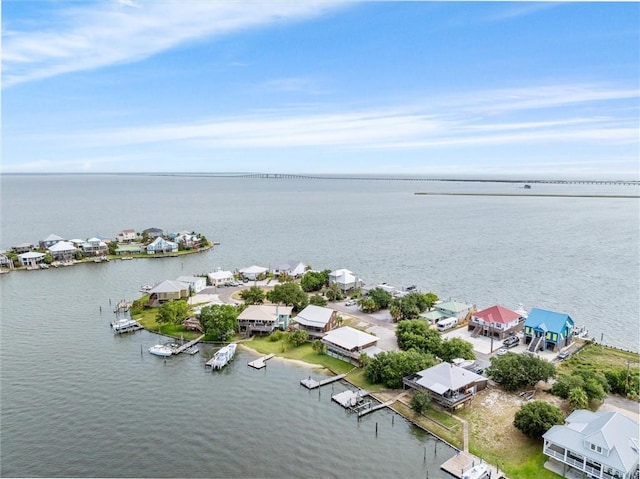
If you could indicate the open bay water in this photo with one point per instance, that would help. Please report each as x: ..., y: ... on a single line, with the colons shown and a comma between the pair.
x: 77, y: 401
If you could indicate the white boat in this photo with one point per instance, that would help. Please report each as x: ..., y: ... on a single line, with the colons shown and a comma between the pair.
x: 223, y: 356
x: 161, y: 350
x: 124, y: 325
x: 477, y: 472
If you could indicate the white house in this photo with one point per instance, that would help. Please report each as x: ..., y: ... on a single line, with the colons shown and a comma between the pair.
x: 31, y: 258
x: 126, y: 236
x: 62, y: 250
x: 220, y: 278
x: 598, y: 444
x: 348, y: 344
x: 252, y: 272
x: 292, y: 268
x: 94, y: 247
x: 345, y: 279
x: 161, y: 245
x: 196, y: 283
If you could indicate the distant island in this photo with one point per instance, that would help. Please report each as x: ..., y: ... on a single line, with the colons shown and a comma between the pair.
x: 54, y: 250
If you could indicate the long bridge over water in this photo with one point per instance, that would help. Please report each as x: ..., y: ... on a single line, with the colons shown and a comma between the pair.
x: 289, y: 176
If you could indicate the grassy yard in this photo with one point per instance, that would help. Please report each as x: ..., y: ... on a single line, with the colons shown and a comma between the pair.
x: 148, y: 320
x: 596, y: 358
x: 432, y: 420
x: 303, y: 353
x: 494, y: 438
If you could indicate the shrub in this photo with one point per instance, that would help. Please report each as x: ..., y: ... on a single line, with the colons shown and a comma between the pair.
x: 420, y: 401
x: 536, y: 417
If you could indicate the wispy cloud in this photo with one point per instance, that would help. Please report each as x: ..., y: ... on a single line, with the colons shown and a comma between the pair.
x: 513, y: 10
x: 87, y: 37
x: 486, y: 118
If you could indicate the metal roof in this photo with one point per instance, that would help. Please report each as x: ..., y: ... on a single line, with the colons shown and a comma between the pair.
x: 349, y: 338
x: 316, y: 316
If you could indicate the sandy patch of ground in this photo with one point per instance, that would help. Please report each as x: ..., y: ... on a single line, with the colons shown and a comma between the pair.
x: 276, y: 358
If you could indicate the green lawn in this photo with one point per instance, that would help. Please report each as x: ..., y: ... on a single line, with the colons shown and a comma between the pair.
x: 148, y: 320
x: 452, y: 433
x: 596, y: 358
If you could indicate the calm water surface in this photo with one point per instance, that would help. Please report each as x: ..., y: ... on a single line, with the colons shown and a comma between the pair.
x: 77, y: 401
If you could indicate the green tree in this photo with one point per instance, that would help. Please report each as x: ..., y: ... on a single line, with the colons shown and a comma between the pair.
x: 516, y: 371
x: 314, y: 280
x: 420, y: 401
x: 112, y: 246
x: 220, y: 321
x: 430, y: 299
x: 410, y: 305
x: 536, y: 417
x: 333, y: 293
x: 453, y: 348
x: 381, y: 297
x: 368, y: 305
x: 565, y: 383
x: 578, y: 399
x: 317, y: 300
x: 319, y: 347
x: 252, y: 295
x: 173, y: 312
x: 289, y: 294
x: 48, y: 258
x: 297, y: 338
x: 416, y: 334
x: 390, y: 367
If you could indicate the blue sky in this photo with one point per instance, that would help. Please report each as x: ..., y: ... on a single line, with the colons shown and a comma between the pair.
x: 429, y: 88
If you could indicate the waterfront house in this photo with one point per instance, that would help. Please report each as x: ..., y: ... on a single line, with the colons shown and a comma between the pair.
x: 161, y: 246
x: 432, y: 317
x: 392, y: 290
x: 168, y: 291
x: 153, y: 233
x: 598, y: 444
x: 349, y: 344
x: 22, y: 248
x: 31, y: 259
x: 291, y: 268
x: 187, y: 240
x: 496, y: 321
x: 50, y: 241
x: 263, y: 318
x: 220, y: 278
x: 448, y: 385
x: 316, y: 320
x: 192, y: 324
x: 94, y: 247
x: 196, y: 283
x: 547, y: 330
x: 345, y: 279
x: 127, y: 236
x: 253, y: 272
x: 128, y: 249
x: 454, y: 309
x: 5, y: 261
x: 63, y: 251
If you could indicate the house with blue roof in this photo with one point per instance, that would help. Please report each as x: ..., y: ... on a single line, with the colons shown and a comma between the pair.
x: 547, y: 330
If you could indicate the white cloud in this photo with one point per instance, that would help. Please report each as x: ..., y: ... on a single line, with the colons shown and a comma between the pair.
x: 88, y: 37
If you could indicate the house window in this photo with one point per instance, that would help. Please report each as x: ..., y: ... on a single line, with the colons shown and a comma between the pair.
x: 598, y: 449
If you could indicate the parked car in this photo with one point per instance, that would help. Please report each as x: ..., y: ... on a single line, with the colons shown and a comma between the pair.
x: 511, y: 342
x: 350, y: 302
x: 502, y: 351
x: 478, y: 370
x: 563, y: 355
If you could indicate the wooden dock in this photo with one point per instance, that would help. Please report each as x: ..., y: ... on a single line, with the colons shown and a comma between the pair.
x: 460, y: 463
x: 260, y: 362
x: 310, y: 383
x: 188, y: 345
x: 365, y: 411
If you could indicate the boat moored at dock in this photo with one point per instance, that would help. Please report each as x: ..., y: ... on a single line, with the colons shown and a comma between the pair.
x: 222, y: 357
x: 125, y: 325
x: 161, y: 350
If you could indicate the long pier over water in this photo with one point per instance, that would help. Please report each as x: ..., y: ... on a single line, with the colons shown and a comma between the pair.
x: 289, y: 176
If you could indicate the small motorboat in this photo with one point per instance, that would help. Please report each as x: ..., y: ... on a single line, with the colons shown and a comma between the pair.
x: 161, y: 350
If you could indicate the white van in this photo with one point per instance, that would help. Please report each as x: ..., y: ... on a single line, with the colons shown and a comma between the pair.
x: 447, y: 323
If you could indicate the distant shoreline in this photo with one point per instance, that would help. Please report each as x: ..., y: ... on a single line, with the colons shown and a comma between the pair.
x: 543, y: 195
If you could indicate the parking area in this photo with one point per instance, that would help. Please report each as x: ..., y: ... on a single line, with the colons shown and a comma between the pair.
x: 485, y: 348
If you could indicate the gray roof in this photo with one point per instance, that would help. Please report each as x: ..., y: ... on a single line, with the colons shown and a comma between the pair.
x: 315, y: 316
x: 31, y: 255
x: 169, y: 286
x: 264, y: 312
x: 349, y: 338
x: 53, y: 237
x: 254, y: 270
x: 61, y: 246
x: 445, y: 377
x: 612, y: 431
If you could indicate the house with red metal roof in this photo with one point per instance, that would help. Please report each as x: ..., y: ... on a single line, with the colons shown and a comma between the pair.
x: 496, y: 321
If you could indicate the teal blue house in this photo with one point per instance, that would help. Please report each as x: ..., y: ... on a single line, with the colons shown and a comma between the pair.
x: 547, y: 330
